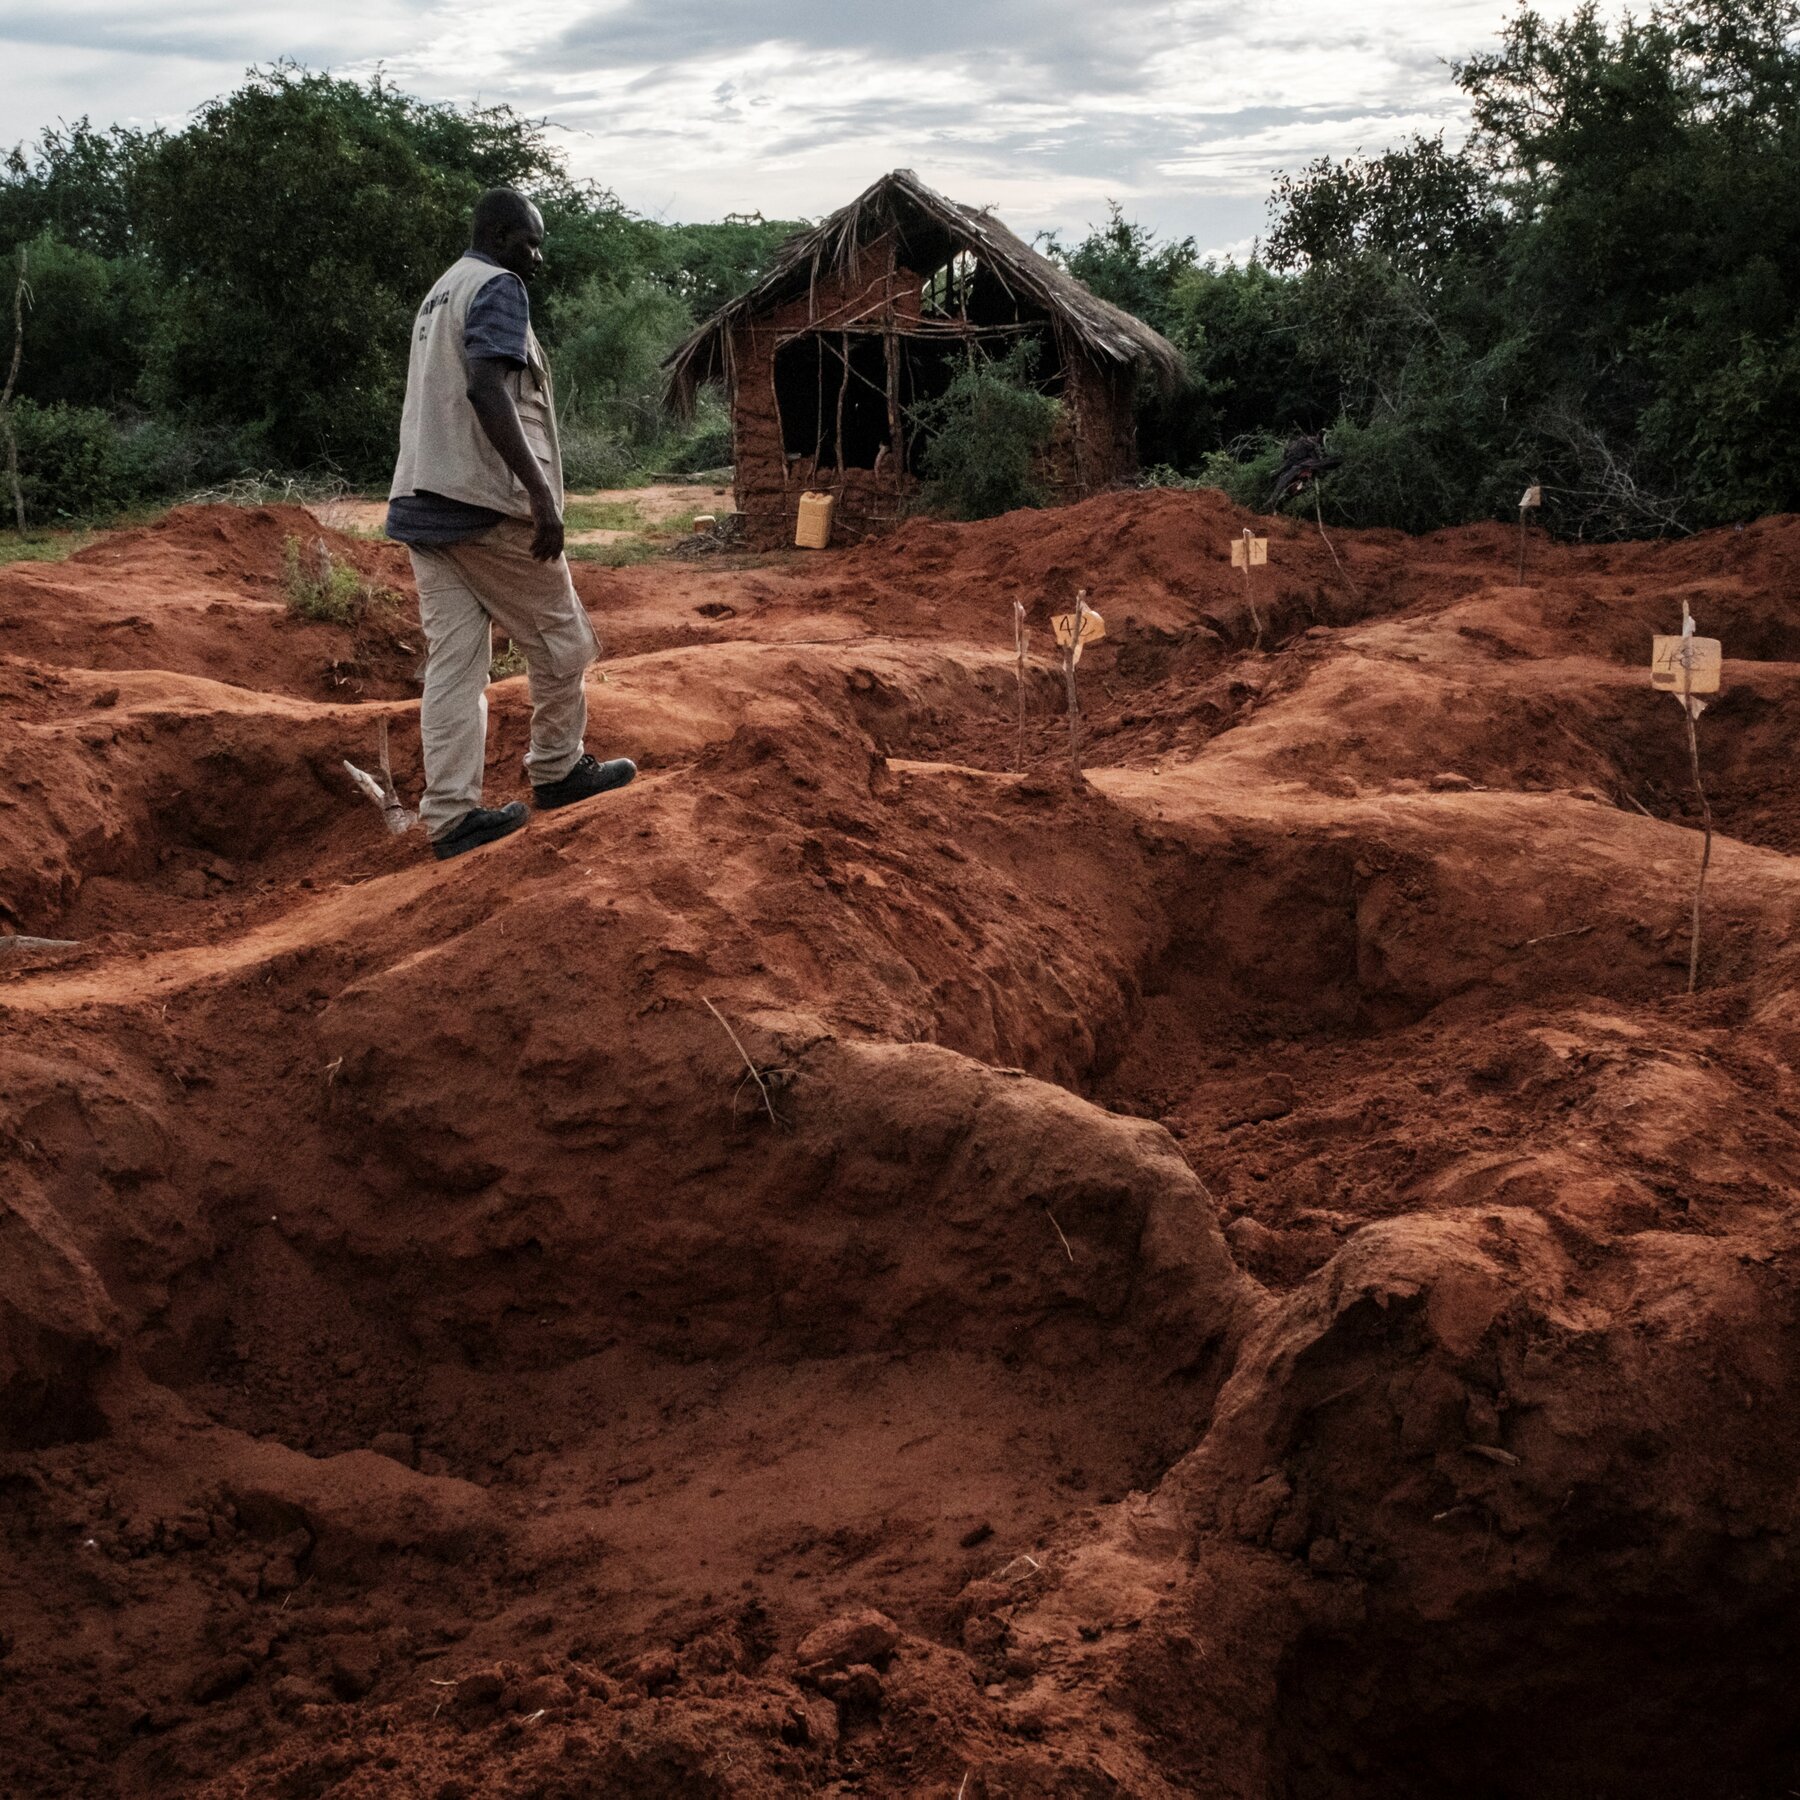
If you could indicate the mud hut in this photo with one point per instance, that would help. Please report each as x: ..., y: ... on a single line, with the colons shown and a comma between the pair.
x: 873, y: 311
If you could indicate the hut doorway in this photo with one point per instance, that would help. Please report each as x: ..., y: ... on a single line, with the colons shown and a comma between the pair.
x: 836, y: 399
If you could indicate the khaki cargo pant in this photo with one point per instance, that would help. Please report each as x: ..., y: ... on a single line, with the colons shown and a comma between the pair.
x: 464, y: 591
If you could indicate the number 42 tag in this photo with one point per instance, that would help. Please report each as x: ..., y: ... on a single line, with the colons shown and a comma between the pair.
x: 1093, y: 627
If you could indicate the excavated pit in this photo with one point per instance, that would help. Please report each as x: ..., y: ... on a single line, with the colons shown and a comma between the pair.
x: 1258, y: 1270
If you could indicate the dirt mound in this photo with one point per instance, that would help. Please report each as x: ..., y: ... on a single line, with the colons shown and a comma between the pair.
x: 857, y: 1264
x: 202, y: 592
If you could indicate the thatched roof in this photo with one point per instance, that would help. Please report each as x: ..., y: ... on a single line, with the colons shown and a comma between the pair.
x: 932, y: 229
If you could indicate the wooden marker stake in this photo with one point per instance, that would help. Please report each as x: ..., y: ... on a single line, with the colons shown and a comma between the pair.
x: 1248, y: 552
x: 1021, y: 636
x: 1074, y: 631
x: 1687, y: 667
x: 1529, y: 501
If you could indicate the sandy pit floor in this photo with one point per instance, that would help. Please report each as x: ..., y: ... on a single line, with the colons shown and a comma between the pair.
x: 864, y: 1265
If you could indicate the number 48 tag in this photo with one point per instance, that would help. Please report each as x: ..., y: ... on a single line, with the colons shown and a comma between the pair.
x: 1686, y: 665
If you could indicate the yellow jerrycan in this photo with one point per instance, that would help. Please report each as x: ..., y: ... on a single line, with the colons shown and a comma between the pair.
x: 812, y: 528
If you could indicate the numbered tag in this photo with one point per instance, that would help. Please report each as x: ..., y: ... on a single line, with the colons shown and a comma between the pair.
x: 1093, y: 627
x: 1703, y: 658
x: 1532, y: 497
x: 1249, y: 552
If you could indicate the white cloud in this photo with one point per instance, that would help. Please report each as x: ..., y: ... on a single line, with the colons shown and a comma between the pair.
x: 1180, y: 109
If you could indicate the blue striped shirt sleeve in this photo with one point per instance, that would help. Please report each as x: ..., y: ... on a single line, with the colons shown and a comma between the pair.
x: 498, y: 318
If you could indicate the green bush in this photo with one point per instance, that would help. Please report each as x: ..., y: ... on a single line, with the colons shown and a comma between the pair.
x: 1244, y: 470
x: 321, y: 588
x: 985, y: 436
x: 610, y: 344
x: 704, y: 443
x: 72, y: 464
x: 88, y: 325
x: 80, y: 463
x: 594, y: 456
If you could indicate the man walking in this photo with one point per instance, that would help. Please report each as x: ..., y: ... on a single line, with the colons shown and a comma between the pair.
x: 477, y: 498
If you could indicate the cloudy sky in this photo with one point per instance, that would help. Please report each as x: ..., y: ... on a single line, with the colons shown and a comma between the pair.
x: 690, y: 109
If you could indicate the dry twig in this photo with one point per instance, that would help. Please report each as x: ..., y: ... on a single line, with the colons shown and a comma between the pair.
x: 1319, y: 514
x: 1494, y: 1454
x: 775, y: 1118
x: 1550, y: 937
x: 1048, y: 1214
x: 399, y: 817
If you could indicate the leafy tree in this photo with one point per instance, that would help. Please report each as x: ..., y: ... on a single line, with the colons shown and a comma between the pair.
x: 1250, y: 365
x: 1600, y: 289
x: 90, y: 325
x: 75, y: 184
x: 1237, y: 327
x: 708, y: 265
x: 297, y: 222
x: 1121, y: 261
x: 1652, y: 170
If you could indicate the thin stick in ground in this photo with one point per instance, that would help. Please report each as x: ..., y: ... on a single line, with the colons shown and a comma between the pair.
x: 775, y: 1118
x: 1693, y: 738
x: 1071, y: 655
x: 1250, y: 590
x: 1021, y: 636
x: 1319, y: 514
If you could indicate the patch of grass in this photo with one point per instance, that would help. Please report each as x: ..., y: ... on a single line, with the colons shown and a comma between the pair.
x: 510, y: 661
x: 626, y: 554
x: 603, y: 515
x: 325, y: 590
x: 49, y: 546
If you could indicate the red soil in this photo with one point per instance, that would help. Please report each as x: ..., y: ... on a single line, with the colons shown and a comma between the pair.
x: 1262, y: 1276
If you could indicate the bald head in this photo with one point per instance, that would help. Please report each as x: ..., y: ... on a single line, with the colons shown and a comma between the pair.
x: 507, y: 227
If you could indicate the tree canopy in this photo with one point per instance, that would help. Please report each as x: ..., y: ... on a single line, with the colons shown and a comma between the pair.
x: 1599, y: 290
x: 242, y: 288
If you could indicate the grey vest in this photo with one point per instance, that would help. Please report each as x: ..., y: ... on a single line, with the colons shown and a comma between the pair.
x: 443, y: 449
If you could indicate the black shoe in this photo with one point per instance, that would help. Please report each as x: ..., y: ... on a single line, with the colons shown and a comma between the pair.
x: 589, y: 777
x: 481, y: 826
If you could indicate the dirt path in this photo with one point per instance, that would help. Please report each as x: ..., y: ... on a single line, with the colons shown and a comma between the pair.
x: 1257, y: 1268
x: 654, y: 504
